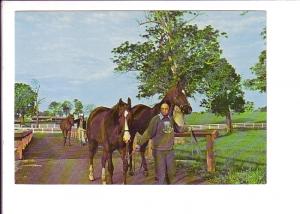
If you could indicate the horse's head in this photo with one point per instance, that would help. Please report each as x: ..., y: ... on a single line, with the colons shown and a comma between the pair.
x: 125, y: 117
x: 71, y: 119
x: 177, y: 97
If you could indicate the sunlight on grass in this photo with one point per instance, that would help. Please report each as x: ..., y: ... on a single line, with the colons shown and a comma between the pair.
x: 240, y: 158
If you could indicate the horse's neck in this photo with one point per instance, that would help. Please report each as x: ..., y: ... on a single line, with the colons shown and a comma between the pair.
x: 156, y: 109
x: 114, y: 114
x: 178, y: 116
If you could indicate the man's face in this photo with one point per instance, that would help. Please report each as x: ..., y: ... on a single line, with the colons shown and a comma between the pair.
x: 164, y: 109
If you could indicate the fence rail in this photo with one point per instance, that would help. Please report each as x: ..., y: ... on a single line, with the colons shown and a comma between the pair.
x: 40, y: 130
x: 234, y: 125
x: 194, y: 127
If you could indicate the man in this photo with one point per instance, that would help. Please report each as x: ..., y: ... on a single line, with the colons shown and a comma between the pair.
x: 81, y: 126
x: 161, y: 130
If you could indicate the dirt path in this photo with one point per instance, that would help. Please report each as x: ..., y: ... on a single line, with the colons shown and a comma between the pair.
x: 47, y: 161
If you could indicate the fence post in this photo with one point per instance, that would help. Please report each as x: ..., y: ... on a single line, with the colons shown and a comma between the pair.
x: 210, y: 159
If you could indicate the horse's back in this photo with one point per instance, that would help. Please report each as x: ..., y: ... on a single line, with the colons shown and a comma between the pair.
x: 142, y: 115
x: 94, y: 123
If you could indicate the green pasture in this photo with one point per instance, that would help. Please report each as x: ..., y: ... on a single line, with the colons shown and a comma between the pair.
x: 240, y: 158
x: 198, y: 118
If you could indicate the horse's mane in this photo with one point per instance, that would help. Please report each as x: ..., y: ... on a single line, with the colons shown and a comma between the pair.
x: 92, y: 114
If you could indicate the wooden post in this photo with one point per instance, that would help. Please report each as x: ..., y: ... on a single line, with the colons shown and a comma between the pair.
x: 210, y: 153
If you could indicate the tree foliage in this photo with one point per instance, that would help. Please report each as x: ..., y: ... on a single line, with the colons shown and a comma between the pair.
x: 259, y: 70
x: 172, y: 50
x: 67, y: 106
x: 24, y: 100
x: 78, y: 107
x: 55, y: 108
x: 223, y: 90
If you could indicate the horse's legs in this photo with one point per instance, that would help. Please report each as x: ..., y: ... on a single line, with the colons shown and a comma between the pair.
x: 103, y: 162
x: 65, y: 137
x: 69, y: 135
x: 130, y: 150
x: 110, y: 166
x: 92, y: 150
x: 123, y: 152
x: 144, y: 162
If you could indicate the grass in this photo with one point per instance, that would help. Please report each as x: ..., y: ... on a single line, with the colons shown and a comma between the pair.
x: 198, y: 118
x: 240, y: 158
x: 40, y: 135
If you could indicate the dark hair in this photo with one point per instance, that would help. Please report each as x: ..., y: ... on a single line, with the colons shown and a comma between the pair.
x: 166, y: 102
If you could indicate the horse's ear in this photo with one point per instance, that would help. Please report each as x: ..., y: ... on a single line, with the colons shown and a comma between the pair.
x: 120, y: 101
x: 129, y: 102
x: 181, y: 83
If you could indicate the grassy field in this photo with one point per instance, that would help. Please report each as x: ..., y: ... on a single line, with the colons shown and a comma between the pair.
x: 197, y: 118
x: 240, y: 158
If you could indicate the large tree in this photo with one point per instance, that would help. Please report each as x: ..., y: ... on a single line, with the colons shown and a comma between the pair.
x: 67, y: 107
x: 55, y: 108
x: 25, y: 99
x: 259, y: 70
x: 223, y: 91
x: 171, y: 50
x: 78, y: 107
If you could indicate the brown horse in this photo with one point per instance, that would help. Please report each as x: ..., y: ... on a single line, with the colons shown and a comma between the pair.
x: 66, y: 126
x: 108, y: 127
x: 142, y: 115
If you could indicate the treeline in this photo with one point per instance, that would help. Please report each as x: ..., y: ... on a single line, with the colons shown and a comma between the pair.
x: 28, y: 101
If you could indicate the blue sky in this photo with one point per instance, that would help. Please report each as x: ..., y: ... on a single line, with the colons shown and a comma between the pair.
x: 69, y: 53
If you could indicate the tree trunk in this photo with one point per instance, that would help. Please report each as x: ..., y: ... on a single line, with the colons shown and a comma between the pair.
x: 37, y: 119
x: 229, y: 122
x: 22, y: 120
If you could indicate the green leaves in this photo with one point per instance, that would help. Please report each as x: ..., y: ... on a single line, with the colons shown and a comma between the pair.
x: 67, y: 106
x: 222, y: 89
x: 172, y: 50
x: 78, y: 107
x: 24, y: 99
x: 259, y: 70
x: 259, y: 83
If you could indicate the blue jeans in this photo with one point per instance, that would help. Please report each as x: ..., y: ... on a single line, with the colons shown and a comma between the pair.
x: 164, y: 164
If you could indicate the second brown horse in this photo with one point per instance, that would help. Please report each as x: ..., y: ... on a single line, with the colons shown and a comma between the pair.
x: 109, y: 127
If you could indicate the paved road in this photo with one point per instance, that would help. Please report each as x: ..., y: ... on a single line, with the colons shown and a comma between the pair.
x: 47, y: 161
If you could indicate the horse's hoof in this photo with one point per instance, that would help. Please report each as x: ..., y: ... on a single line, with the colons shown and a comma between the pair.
x: 91, y: 177
x: 146, y: 173
x: 131, y: 173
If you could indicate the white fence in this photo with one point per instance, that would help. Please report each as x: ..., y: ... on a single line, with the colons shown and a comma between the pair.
x: 194, y: 127
x: 234, y: 125
x: 40, y: 130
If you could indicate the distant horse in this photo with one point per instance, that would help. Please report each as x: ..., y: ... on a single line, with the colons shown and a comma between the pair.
x: 142, y: 115
x: 109, y: 127
x: 66, y: 127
